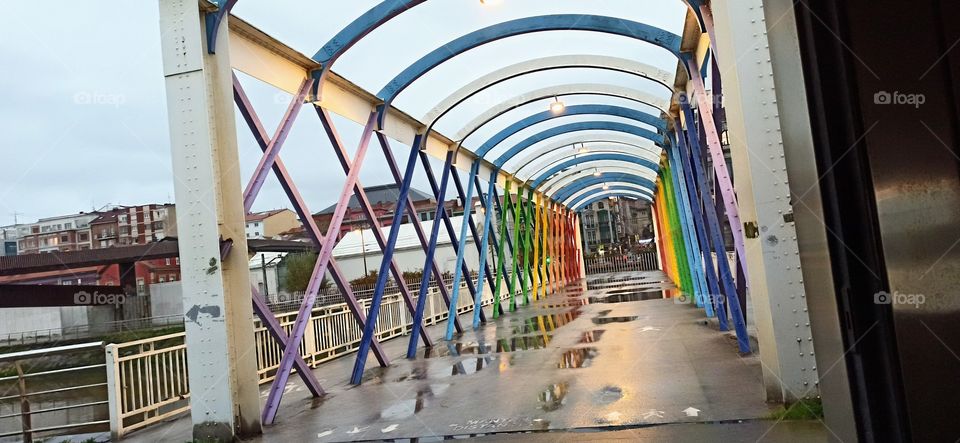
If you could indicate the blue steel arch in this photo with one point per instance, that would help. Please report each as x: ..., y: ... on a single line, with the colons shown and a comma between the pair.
x: 559, y: 22
x: 577, y: 185
x: 654, y: 167
x: 538, y: 172
x: 576, y: 127
x: 540, y: 117
x: 633, y: 188
x: 598, y: 198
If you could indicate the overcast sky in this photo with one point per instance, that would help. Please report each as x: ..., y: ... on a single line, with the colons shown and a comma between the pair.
x: 83, y: 113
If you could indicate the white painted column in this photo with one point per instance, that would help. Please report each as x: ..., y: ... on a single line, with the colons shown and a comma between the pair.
x: 763, y: 191
x: 216, y: 296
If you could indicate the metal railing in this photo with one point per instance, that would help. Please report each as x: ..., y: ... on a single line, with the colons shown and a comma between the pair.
x: 643, y: 261
x: 147, y: 379
x: 87, y: 331
x: 39, y: 414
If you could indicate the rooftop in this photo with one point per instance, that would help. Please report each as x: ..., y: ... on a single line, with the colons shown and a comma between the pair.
x: 381, y: 194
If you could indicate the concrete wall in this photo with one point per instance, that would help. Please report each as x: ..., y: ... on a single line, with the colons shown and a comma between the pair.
x: 166, y: 299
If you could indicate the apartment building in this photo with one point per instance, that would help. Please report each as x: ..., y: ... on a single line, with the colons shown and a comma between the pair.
x: 270, y: 224
x: 133, y: 225
x: 615, y: 223
x: 63, y: 233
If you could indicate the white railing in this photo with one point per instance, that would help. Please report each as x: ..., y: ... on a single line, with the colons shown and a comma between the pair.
x: 147, y: 379
x: 644, y: 261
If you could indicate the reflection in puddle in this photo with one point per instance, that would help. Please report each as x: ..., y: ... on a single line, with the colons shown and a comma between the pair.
x: 455, y: 349
x: 470, y: 366
x: 606, y: 320
x: 627, y: 297
x: 577, y: 358
x: 551, y: 399
x: 607, y: 395
x: 407, y: 408
x: 522, y: 343
x: 546, y: 323
x: 591, y: 336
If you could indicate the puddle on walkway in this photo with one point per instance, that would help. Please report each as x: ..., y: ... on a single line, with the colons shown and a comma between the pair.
x: 522, y: 343
x: 625, y: 297
x: 607, y: 320
x: 607, y: 395
x: 471, y: 366
x: 577, y: 358
x: 407, y: 408
x: 591, y: 336
x: 552, y: 398
x: 455, y: 349
x: 546, y: 322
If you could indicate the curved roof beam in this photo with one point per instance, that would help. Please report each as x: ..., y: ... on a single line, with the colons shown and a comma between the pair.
x: 618, y: 138
x: 540, y: 117
x: 562, y: 91
x: 501, y: 75
x: 608, y: 194
x: 587, y: 159
x: 610, y: 171
x: 632, y: 151
x: 559, y: 22
x: 566, y: 191
x: 586, y: 193
x: 576, y: 127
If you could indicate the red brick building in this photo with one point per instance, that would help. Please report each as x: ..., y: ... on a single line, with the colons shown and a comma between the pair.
x: 383, y: 199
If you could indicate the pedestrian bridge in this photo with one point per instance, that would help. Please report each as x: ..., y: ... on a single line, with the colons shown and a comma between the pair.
x: 828, y: 211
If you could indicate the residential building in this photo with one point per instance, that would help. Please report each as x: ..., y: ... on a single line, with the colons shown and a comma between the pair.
x: 63, y: 233
x: 383, y: 200
x: 133, y: 225
x: 615, y: 223
x: 8, y: 240
x: 270, y: 224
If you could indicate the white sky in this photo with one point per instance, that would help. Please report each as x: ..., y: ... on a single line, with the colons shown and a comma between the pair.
x: 83, y: 115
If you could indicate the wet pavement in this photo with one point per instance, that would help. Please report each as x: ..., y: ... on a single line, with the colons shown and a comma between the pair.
x: 610, y: 354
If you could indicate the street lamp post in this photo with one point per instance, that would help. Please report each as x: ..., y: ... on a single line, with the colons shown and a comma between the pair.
x: 363, y: 250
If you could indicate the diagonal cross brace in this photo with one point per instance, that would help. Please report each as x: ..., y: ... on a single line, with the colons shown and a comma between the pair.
x: 454, y: 243
x: 286, y: 182
x: 364, y: 201
x: 278, y: 334
x: 326, y: 252
x: 392, y: 163
x: 430, y: 252
x: 466, y: 197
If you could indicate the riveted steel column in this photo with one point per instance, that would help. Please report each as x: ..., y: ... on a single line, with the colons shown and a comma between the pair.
x: 517, y: 251
x: 535, y: 236
x: 431, y: 250
x: 527, y: 240
x: 216, y: 297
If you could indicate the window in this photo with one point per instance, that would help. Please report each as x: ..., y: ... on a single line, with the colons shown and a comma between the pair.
x: 256, y: 234
x: 122, y: 218
x: 162, y: 280
x: 83, y: 236
x: 141, y: 286
x: 68, y: 225
x: 64, y: 238
x: 176, y: 260
x: 167, y: 261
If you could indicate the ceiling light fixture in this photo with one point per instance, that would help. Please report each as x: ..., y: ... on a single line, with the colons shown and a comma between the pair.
x: 597, y: 173
x: 557, y: 106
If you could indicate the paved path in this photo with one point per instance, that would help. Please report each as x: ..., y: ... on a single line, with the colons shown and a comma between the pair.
x: 613, y: 354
